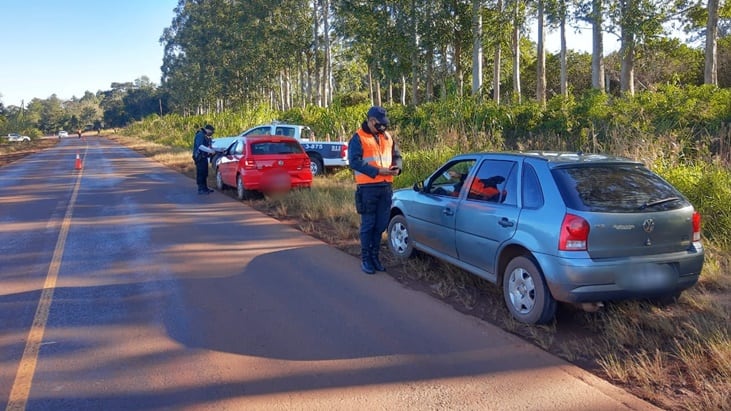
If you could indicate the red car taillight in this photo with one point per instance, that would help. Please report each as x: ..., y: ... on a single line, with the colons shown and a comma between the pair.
x: 344, y: 150
x: 574, y: 233
x: 696, y: 226
x: 249, y: 164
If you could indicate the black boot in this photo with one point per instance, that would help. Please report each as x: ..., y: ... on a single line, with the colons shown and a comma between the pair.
x: 366, y: 265
x: 376, y: 262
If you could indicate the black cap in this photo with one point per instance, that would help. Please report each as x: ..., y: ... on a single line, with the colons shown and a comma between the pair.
x: 209, y: 128
x: 379, y: 113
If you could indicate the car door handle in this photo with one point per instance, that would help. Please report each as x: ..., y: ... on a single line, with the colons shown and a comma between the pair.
x: 505, y: 222
x: 448, y: 211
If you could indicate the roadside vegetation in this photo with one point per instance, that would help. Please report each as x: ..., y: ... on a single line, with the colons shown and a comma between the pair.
x: 677, y: 356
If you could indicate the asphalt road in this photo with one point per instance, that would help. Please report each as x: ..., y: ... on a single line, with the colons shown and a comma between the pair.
x: 121, y: 288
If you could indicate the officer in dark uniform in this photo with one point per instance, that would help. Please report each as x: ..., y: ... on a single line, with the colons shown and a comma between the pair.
x: 375, y: 158
x: 201, y: 151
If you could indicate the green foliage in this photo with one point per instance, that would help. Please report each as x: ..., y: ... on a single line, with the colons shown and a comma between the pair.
x: 707, y: 187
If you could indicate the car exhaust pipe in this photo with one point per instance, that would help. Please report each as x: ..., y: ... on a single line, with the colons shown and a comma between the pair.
x: 592, y: 307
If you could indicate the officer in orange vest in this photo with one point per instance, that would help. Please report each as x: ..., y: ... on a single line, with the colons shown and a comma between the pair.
x: 375, y: 159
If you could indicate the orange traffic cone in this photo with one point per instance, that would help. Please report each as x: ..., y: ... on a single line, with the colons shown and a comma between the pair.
x: 77, y: 166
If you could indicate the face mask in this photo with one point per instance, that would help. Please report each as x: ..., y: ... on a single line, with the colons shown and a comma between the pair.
x: 380, y: 127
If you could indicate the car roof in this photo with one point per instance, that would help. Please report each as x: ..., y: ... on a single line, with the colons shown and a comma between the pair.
x: 557, y: 157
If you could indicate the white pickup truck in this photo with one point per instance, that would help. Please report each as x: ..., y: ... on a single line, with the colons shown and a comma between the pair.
x: 18, y: 137
x: 323, y: 154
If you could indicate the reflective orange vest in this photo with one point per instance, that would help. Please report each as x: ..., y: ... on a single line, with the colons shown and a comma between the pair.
x: 376, y: 154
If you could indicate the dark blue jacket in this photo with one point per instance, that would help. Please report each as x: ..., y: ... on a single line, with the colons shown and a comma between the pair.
x: 201, y: 139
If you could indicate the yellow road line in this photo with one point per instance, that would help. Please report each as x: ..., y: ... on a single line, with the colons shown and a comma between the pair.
x: 20, y: 391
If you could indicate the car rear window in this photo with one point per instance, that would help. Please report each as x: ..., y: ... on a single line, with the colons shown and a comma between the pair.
x: 616, y: 188
x: 276, y: 147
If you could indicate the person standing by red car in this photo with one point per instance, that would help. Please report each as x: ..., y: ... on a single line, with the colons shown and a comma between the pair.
x: 201, y: 152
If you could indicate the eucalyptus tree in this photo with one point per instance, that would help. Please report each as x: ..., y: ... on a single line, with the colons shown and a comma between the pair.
x: 358, y: 22
x: 709, y: 22
x: 637, y: 22
x: 594, y: 13
x: 518, y: 13
x: 541, y: 54
x: 710, y: 72
x: 477, y: 46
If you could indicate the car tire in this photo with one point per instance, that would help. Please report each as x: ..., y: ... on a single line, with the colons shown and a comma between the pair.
x: 525, y: 292
x: 241, y: 192
x: 316, y: 166
x: 219, y: 181
x: 398, y: 238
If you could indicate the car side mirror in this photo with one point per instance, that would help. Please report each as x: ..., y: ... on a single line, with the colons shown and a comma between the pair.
x: 419, y: 186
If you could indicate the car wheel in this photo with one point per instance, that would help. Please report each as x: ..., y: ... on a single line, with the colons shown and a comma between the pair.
x: 316, y: 166
x: 526, y: 294
x: 241, y: 192
x: 219, y: 181
x: 398, y: 237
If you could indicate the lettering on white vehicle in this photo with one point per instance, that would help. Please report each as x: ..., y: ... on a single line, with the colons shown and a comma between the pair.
x: 313, y: 146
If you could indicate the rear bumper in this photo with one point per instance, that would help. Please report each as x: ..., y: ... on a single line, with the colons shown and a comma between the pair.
x: 335, y: 162
x: 588, y: 280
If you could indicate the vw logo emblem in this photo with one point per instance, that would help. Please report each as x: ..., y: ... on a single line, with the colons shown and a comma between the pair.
x: 648, y: 225
x: 280, y: 162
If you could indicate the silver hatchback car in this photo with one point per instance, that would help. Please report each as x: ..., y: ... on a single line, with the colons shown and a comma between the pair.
x: 549, y: 226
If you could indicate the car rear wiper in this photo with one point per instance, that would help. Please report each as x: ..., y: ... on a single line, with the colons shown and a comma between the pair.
x: 658, y: 202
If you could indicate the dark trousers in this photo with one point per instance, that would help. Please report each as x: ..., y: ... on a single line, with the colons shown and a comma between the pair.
x: 373, y: 203
x: 201, y: 173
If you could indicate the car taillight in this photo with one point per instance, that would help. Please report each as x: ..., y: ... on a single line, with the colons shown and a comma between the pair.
x: 574, y: 233
x: 696, y: 226
x: 249, y: 164
x: 344, y: 151
x: 305, y: 163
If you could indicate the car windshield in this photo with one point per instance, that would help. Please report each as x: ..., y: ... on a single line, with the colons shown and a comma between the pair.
x: 276, y: 147
x: 616, y: 188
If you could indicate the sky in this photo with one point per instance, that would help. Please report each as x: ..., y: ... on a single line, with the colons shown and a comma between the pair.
x: 68, y: 47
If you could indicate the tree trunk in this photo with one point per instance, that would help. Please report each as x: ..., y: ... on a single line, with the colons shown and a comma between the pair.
x: 414, y: 56
x: 370, y: 85
x: 541, y: 63
x: 597, y: 51
x: 627, y: 50
x: 316, y: 49
x: 476, y: 47
x: 496, y: 78
x: 327, y: 100
x: 516, y: 53
x: 564, y: 64
x: 710, y: 73
x: 429, y: 75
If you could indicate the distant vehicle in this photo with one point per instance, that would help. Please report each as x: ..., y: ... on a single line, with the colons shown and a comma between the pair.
x: 63, y: 133
x: 323, y: 154
x: 263, y: 164
x: 547, y: 227
x: 18, y: 137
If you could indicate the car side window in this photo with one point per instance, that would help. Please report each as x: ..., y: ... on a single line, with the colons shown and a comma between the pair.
x: 259, y: 131
x: 284, y: 131
x: 532, y: 192
x: 495, y: 182
x: 450, y: 179
x: 239, y: 149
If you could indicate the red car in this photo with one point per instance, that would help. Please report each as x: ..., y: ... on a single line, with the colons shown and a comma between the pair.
x: 263, y: 164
